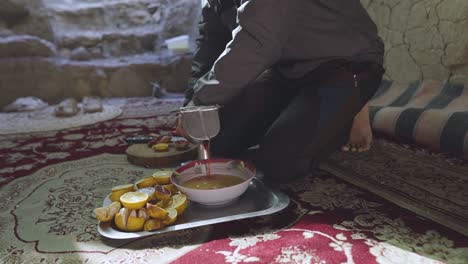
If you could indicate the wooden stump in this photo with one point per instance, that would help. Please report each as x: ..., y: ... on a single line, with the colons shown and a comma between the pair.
x: 142, y: 155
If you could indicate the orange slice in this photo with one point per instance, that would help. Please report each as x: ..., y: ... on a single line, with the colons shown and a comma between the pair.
x: 134, y: 200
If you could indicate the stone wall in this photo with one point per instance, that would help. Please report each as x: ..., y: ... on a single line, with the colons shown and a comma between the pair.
x: 55, y: 49
x: 425, y: 39
x: 24, y: 17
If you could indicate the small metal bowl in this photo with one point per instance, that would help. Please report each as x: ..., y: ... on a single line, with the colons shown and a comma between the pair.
x: 220, y: 196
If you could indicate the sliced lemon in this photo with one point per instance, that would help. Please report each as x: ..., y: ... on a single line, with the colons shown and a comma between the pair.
x: 146, y: 182
x: 163, y: 177
x: 162, y: 204
x: 178, y: 202
x: 171, y: 217
x: 161, y: 147
x: 156, y: 212
x: 153, y: 224
x: 172, y: 188
x: 106, y: 214
x: 136, y: 220
x: 162, y: 193
x: 128, y: 187
x: 102, y: 214
x: 134, y: 200
x: 117, y: 191
x: 149, y: 191
x: 121, y: 219
x: 130, y: 220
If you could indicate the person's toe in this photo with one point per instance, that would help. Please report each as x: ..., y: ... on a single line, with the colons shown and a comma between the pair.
x: 358, y: 147
x: 365, y: 146
x: 346, y: 147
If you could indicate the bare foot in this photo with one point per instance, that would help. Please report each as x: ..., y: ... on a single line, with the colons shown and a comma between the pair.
x: 360, y: 137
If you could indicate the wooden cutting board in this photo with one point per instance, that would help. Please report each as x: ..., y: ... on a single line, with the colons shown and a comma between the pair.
x: 142, y: 155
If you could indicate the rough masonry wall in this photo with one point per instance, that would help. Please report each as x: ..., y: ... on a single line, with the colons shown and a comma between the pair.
x: 55, y: 49
x: 24, y: 17
x: 425, y: 39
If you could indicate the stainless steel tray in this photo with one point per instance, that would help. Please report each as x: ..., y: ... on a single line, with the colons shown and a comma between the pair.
x: 258, y: 200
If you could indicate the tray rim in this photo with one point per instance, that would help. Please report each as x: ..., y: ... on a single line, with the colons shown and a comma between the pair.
x: 282, y: 201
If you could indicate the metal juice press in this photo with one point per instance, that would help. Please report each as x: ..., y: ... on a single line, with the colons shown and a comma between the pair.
x: 200, y: 123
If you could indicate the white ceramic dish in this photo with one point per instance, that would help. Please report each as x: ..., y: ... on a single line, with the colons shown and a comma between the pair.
x: 198, y: 168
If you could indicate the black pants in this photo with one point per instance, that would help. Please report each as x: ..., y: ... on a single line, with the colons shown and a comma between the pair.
x: 296, y: 122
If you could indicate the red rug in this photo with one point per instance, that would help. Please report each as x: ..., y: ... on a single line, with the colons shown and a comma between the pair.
x: 51, y: 182
x: 37, y: 150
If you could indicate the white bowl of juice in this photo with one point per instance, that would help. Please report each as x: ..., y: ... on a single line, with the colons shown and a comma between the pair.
x: 215, y: 181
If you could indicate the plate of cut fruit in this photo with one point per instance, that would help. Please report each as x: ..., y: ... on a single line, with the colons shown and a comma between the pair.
x: 150, y: 204
x: 154, y: 205
x: 162, y: 151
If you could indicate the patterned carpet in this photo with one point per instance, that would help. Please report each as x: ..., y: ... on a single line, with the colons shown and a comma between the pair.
x: 427, y: 170
x: 45, y: 120
x: 432, y: 185
x: 51, y: 182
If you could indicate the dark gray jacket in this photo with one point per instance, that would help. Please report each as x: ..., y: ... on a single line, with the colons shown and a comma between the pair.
x: 292, y: 36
